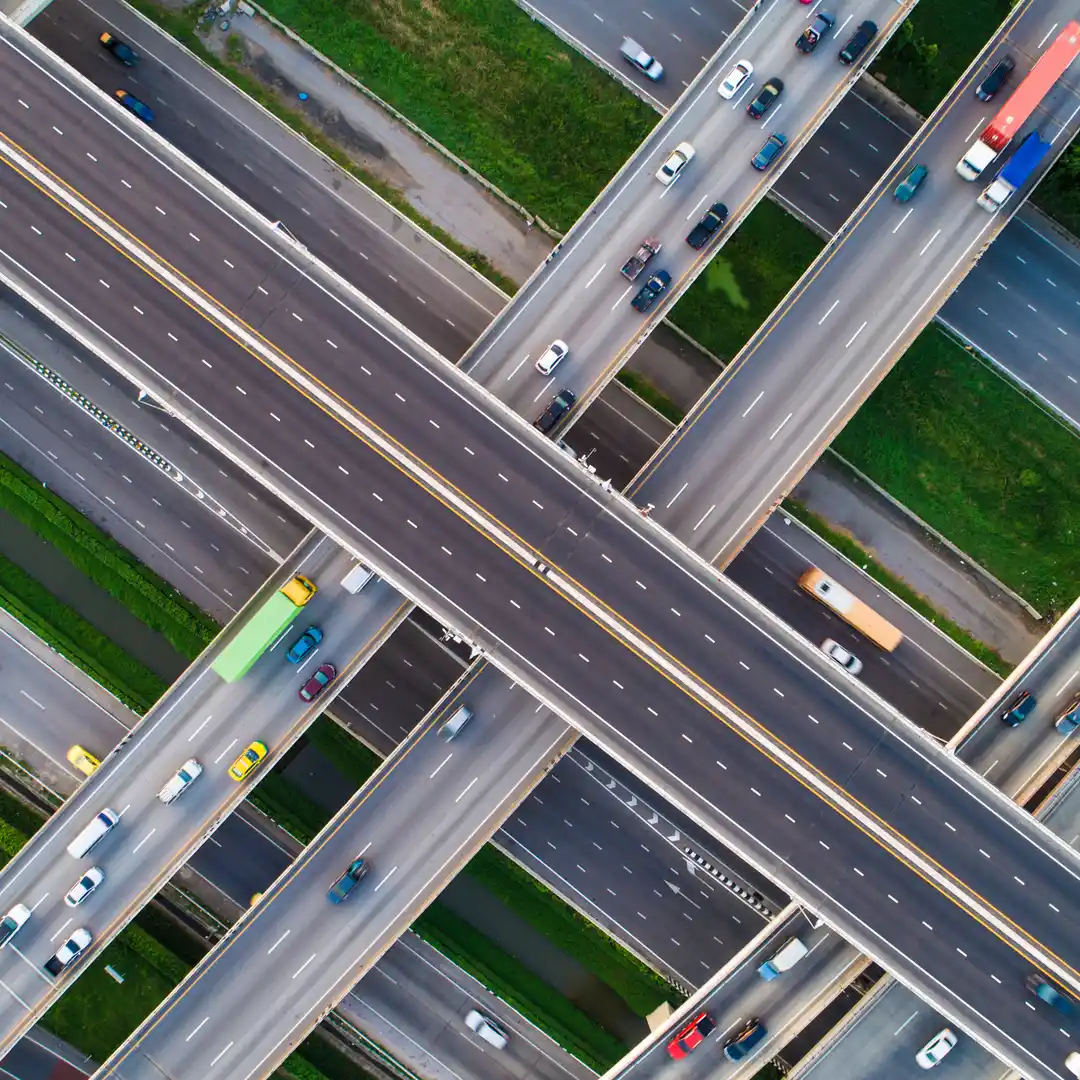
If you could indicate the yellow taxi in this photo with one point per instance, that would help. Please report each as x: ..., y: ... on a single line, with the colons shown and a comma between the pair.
x: 247, y: 760
x: 83, y: 760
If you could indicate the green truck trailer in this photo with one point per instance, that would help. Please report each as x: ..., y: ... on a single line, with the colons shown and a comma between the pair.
x: 264, y: 627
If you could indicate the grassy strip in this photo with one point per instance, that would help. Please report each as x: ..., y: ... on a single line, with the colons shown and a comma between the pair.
x: 513, y: 982
x: 181, y: 25
x: 353, y: 759
x: 636, y: 983
x: 648, y: 393
x: 862, y: 558
x: 973, y: 456
x: 492, y: 85
x: 73, y: 637
x: 104, y: 561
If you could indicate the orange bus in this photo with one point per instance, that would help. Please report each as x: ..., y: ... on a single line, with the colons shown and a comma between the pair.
x: 851, y: 609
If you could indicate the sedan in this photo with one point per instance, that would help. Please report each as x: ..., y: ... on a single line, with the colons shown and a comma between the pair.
x: 691, y: 1035
x: 323, y: 677
x: 552, y: 356
x: 120, y: 49
x: 247, y: 760
x: 304, y: 644
x: 134, y: 105
x: 936, y: 1049
x: 735, y: 78
x: 84, y: 886
x: 1043, y: 989
x: 769, y: 152
x: 765, y: 100
x: 83, y: 760
x: 486, y: 1028
x: 676, y: 161
x: 836, y: 652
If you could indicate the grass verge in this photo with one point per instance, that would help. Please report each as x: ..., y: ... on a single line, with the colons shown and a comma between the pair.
x: 862, y: 558
x: 105, y: 562
x: 975, y: 458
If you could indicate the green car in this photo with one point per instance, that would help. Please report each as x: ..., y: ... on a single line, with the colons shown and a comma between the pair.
x: 907, y: 187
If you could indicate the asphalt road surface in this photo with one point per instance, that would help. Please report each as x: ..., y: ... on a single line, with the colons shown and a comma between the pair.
x: 820, y: 354
x: 428, y: 811
x: 685, y: 774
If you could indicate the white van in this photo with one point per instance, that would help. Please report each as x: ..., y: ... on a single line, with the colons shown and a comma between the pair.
x: 784, y: 959
x: 88, y: 839
x: 357, y: 578
x: 455, y: 722
x: 180, y: 781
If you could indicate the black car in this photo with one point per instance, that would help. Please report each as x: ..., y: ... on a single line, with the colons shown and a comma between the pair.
x: 1019, y: 708
x: 652, y: 289
x: 764, y: 101
x: 858, y: 41
x: 809, y: 38
x: 708, y: 226
x: 996, y: 79
x: 557, y: 408
x: 120, y: 49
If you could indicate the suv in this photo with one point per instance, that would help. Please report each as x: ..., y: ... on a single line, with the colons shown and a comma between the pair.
x: 858, y: 41
x: 557, y: 408
x: 648, y: 65
x: 69, y: 952
x: 905, y: 190
x: 809, y: 38
x: 997, y: 78
x: 1019, y: 709
x: 653, y: 288
x: 742, y: 1043
x: 765, y: 99
x: 708, y: 226
x: 348, y: 881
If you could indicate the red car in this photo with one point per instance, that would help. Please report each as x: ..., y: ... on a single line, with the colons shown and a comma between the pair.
x: 691, y: 1035
x: 318, y: 682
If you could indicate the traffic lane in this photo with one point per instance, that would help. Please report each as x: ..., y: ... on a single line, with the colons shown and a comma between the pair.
x: 428, y: 998
x: 42, y: 1059
x: 128, y: 496
x: 892, y: 1026
x: 402, y: 512
x: 325, y: 949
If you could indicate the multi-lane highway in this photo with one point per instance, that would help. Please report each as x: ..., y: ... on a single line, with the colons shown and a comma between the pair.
x: 389, y: 526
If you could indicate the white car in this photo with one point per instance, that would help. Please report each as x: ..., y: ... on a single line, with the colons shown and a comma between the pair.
x: 69, y: 952
x: 13, y: 922
x: 84, y: 886
x: 486, y: 1028
x: 836, y: 652
x: 735, y: 78
x: 677, y: 160
x: 553, y: 355
x: 936, y: 1049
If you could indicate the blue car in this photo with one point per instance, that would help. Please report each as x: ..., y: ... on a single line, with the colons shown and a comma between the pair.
x: 304, y: 644
x: 134, y: 105
x: 769, y: 152
x: 1019, y: 708
x: 120, y: 49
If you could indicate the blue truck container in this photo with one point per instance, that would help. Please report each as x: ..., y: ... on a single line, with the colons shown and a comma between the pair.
x: 1016, y: 172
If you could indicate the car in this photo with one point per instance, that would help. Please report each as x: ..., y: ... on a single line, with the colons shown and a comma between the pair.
x: 649, y: 292
x: 557, y: 408
x: 83, y: 760
x: 134, y: 105
x: 742, y: 1043
x: 1069, y: 720
x: 765, y: 99
x: 486, y: 1028
x: 69, y: 952
x: 13, y: 922
x: 1019, y: 708
x: 836, y: 652
x: 676, y: 161
x: 1042, y: 988
x: 809, y: 38
x: 637, y: 57
x: 735, y: 78
x: 247, y: 760
x: 320, y: 679
x: 936, y: 1049
x: 708, y: 226
x: 307, y: 641
x: 120, y: 49
x: 348, y: 881
x: 552, y: 356
x: 691, y: 1035
x: 905, y: 190
x: 84, y: 886
x: 772, y: 149
x: 1072, y: 1063
x: 856, y: 44
x: 998, y: 77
